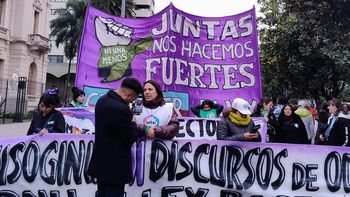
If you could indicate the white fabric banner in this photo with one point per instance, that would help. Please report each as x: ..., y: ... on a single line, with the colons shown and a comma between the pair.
x: 81, y: 121
x: 55, y: 165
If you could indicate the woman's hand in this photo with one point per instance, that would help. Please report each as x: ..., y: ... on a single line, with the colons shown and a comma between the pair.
x: 249, y: 136
x: 43, y: 131
x: 322, y: 138
x: 150, y: 133
x: 266, y: 118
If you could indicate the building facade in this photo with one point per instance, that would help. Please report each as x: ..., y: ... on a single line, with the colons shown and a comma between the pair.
x: 24, y: 46
x: 58, y: 63
x: 144, y: 8
x: 57, y: 68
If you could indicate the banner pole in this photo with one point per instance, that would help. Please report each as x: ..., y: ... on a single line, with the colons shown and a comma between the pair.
x: 122, y: 9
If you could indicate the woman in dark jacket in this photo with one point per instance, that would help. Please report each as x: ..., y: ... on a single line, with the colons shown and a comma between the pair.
x: 157, y: 119
x: 291, y: 128
x: 47, y: 119
x: 236, y: 124
x: 263, y: 109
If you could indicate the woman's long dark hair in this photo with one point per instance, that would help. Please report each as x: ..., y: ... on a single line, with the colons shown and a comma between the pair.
x: 159, y: 100
x: 283, y: 117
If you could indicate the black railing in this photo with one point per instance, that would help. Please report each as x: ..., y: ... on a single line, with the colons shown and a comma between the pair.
x: 17, y: 96
x: 21, y: 99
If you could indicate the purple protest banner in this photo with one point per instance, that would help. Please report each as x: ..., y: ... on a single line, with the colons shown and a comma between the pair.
x: 56, y: 165
x: 192, y: 57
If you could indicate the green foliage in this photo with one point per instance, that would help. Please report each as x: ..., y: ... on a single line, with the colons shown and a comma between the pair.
x: 67, y: 27
x: 114, y: 7
x: 345, y: 95
x: 26, y: 116
x: 305, y: 47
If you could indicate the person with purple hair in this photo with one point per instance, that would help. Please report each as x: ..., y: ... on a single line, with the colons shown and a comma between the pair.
x: 46, y: 119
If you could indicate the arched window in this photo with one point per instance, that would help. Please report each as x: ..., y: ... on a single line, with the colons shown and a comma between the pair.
x: 32, y: 84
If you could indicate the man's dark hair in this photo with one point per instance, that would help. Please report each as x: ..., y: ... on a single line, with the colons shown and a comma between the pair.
x: 336, y: 103
x: 132, y: 84
x: 293, y: 102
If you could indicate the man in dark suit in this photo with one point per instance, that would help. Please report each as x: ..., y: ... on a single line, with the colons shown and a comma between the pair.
x: 115, y: 132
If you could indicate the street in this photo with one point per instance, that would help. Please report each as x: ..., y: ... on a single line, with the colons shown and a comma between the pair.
x: 14, y: 129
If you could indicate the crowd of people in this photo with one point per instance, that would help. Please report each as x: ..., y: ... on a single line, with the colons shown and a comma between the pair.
x: 296, y: 122
x: 289, y: 121
x: 328, y: 126
x: 117, y: 126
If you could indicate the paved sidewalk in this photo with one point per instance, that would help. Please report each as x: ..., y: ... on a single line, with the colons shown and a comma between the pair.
x: 14, y: 129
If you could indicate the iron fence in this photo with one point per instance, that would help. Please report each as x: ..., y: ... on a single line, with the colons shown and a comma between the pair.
x: 18, y: 97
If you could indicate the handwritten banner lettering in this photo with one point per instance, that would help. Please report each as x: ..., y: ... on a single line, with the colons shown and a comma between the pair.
x: 56, y: 165
x: 183, y: 52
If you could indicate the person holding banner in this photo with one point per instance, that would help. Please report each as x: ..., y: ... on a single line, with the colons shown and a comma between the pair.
x: 115, y: 132
x: 157, y: 119
x: 208, y: 109
x: 263, y: 109
x: 46, y: 119
x: 291, y: 127
x: 78, y: 98
x: 236, y: 123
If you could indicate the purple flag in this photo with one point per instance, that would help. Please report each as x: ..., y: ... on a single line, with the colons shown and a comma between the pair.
x: 193, y: 58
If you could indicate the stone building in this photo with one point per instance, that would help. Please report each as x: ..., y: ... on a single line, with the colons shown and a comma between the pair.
x: 58, y: 63
x: 24, y: 44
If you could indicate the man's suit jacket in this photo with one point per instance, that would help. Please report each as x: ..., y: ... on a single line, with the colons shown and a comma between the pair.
x: 114, y: 134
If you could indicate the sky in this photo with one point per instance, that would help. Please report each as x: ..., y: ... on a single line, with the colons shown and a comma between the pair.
x: 212, y: 8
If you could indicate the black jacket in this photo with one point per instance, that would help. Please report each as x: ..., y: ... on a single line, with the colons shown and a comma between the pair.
x: 272, y: 124
x: 114, y: 134
x: 271, y: 116
x: 292, y: 130
x: 53, y: 122
x: 338, y: 135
